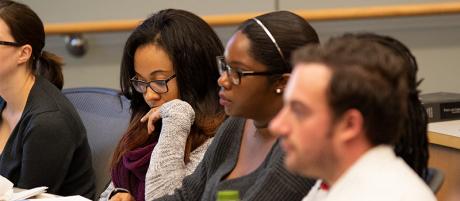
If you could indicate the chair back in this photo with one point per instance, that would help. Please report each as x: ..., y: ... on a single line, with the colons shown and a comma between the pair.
x: 434, y: 179
x: 105, y: 114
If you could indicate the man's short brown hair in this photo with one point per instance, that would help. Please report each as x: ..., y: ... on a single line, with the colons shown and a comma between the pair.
x: 365, y: 76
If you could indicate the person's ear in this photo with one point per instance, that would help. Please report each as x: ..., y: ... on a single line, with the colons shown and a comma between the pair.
x: 281, y: 83
x: 350, y: 125
x: 25, y: 52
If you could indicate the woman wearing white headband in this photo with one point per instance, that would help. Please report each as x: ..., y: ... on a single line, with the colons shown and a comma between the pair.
x: 244, y: 155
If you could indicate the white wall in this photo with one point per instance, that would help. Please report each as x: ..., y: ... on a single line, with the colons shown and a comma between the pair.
x: 435, y: 40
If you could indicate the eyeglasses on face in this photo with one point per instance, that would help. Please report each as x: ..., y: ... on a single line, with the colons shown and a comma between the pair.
x: 158, y: 86
x: 235, y: 74
x: 14, y: 44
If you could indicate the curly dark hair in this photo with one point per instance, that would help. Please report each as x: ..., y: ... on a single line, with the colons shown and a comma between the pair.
x: 413, y: 144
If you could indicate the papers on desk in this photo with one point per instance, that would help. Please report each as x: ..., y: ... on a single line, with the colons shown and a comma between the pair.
x: 8, y: 194
x: 6, y: 188
x: 69, y: 198
x: 28, y: 193
x: 451, y: 128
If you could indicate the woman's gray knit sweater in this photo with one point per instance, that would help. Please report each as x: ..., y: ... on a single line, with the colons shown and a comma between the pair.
x: 273, y: 181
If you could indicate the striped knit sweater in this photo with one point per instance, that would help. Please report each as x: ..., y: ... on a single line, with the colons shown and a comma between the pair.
x: 167, y: 167
x: 273, y: 181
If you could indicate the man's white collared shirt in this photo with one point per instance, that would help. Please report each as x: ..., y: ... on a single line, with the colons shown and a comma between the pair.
x: 379, y: 175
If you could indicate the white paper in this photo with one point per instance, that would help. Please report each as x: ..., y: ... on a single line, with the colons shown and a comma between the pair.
x: 28, y: 193
x: 68, y: 198
x: 451, y: 128
x: 6, y: 188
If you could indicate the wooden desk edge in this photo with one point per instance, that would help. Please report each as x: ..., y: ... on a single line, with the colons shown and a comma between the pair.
x: 237, y: 18
x: 444, y: 140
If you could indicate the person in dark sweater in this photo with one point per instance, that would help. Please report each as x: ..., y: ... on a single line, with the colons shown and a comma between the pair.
x: 42, y: 139
x: 245, y: 156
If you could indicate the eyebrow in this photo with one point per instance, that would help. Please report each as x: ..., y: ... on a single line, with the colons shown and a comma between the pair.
x: 298, y: 106
x: 241, y: 65
x: 157, y: 71
x: 153, y: 73
x: 297, y: 103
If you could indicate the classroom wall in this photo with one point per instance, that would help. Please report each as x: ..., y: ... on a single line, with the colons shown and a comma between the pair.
x: 435, y: 40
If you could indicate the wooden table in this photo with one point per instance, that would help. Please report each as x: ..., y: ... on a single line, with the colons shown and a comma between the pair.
x: 445, y: 155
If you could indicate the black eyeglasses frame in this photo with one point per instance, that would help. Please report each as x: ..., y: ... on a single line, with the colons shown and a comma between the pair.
x: 8, y: 43
x: 147, y: 84
x: 223, y: 64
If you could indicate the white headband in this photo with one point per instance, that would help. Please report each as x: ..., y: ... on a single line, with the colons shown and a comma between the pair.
x: 271, y: 37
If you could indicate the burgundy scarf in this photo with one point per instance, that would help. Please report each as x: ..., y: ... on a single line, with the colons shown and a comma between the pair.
x: 131, y: 170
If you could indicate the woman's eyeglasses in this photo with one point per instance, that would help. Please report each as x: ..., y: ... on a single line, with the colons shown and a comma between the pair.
x: 235, y: 74
x: 158, y: 86
x: 14, y: 44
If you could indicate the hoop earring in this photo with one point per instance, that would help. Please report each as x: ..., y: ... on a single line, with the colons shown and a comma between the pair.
x: 278, y: 91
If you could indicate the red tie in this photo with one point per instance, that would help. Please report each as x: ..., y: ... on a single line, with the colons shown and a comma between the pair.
x: 324, y: 186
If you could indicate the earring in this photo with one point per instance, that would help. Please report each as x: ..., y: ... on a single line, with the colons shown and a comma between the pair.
x: 278, y: 91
